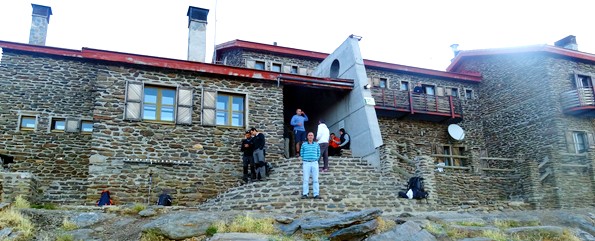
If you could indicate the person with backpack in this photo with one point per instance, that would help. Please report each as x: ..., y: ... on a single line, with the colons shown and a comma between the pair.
x: 415, y: 189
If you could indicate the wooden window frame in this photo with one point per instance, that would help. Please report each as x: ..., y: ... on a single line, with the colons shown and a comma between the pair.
x: 158, y: 104
x: 408, y: 85
x: 277, y: 64
x: 24, y: 116
x: 53, y: 121
x: 87, y: 121
x: 292, y: 68
x: 468, y: 90
x: 424, y: 86
x: 264, y: 64
x: 385, y: 80
x: 580, y: 136
x: 229, y: 111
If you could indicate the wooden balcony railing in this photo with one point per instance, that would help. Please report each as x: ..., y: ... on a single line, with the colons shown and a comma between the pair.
x: 578, y: 101
x: 414, y: 103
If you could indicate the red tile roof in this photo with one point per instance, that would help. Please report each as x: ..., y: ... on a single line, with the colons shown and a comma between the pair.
x: 221, y: 70
x: 474, y: 77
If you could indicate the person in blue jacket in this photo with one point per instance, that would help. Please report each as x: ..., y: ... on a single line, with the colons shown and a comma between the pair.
x: 297, y: 121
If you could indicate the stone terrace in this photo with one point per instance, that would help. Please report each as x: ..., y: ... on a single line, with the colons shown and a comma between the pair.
x: 350, y: 185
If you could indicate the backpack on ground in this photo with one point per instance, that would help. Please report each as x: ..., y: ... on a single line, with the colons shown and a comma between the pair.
x: 105, y: 199
x: 164, y: 200
x: 416, y: 185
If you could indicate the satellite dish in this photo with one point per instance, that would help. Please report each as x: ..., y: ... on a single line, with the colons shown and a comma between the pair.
x: 456, y: 132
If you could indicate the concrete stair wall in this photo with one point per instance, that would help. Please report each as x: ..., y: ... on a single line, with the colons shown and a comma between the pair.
x: 350, y: 185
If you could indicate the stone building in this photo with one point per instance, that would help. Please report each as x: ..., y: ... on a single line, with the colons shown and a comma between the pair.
x: 80, y: 121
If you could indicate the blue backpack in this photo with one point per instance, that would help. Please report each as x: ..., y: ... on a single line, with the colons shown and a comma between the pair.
x: 105, y: 199
x: 164, y: 199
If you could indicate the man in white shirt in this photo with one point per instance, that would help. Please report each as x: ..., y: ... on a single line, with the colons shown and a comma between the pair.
x: 322, y: 137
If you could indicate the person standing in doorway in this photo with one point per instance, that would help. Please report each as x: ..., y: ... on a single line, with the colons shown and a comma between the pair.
x: 322, y: 137
x: 297, y: 121
x: 258, y: 154
x: 310, y: 156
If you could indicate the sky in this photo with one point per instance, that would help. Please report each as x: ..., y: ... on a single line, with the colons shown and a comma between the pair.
x: 413, y: 33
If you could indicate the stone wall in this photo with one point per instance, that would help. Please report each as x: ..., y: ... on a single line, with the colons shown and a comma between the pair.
x: 522, y: 114
x: 212, y: 152
x: 47, y: 88
x: 16, y: 184
x: 238, y: 58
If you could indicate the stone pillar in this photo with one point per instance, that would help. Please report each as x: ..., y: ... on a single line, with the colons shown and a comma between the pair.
x: 197, y: 33
x: 19, y: 183
x: 39, y: 24
x: 425, y: 168
x: 475, y: 162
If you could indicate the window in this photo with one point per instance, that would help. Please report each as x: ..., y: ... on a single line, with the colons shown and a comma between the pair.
x: 28, y: 123
x: 450, y: 155
x: 259, y: 65
x: 276, y: 67
x: 58, y: 124
x: 454, y: 92
x: 468, y: 94
x: 429, y: 89
x: 294, y: 70
x: 383, y: 83
x: 86, y: 126
x: 581, y: 145
x: 583, y: 81
x: 404, y: 86
x: 230, y: 110
x: 158, y: 103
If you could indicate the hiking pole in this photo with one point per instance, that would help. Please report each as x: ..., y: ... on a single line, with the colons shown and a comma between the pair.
x: 150, y: 185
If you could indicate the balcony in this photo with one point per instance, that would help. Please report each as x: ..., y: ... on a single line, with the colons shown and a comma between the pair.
x: 580, y: 101
x: 408, y: 105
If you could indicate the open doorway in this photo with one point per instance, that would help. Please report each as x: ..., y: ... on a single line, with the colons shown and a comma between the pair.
x: 5, y: 160
x: 316, y: 103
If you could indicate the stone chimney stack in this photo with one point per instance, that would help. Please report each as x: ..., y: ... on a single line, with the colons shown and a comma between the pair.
x: 39, y: 24
x: 455, y: 49
x: 569, y: 42
x: 197, y: 33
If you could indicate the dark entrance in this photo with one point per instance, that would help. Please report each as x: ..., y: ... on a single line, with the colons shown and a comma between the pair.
x: 315, y: 102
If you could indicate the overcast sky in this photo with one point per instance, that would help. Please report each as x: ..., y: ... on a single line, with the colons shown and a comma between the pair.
x: 414, y: 33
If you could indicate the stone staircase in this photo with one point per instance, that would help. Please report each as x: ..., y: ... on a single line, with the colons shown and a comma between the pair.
x: 350, y: 185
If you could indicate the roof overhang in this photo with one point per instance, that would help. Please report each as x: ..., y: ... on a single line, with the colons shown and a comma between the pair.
x: 205, y: 68
x: 454, y: 66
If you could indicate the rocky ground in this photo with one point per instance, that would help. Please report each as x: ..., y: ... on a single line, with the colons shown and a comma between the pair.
x: 177, y: 223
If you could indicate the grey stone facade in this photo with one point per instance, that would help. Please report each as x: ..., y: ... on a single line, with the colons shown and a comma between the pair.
x: 75, y: 167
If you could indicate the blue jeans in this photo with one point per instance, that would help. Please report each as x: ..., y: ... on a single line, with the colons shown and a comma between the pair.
x: 307, y: 168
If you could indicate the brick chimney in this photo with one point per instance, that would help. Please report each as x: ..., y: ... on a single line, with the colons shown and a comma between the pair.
x: 39, y: 24
x: 569, y: 42
x: 197, y: 33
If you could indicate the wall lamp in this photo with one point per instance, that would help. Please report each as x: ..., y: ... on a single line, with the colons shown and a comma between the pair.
x: 367, y: 86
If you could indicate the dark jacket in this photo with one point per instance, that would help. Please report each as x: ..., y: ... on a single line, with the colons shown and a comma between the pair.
x: 258, y: 141
x: 247, y: 150
x: 348, y: 145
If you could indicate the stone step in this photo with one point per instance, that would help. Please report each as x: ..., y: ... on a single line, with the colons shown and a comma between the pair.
x: 350, y: 185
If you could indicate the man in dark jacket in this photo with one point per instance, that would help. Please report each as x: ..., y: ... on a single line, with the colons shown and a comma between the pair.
x: 247, y: 158
x: 259, y: 143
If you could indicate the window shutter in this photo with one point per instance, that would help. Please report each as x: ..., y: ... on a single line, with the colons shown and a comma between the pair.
x: 302, y: 71
x: 570, y: 142
x: 448, y: 91
x: 439, y: 91
x: 209, y: 105
x: 250, y: 64
x: 577, y: 82
x: 439, y: 149
x: 72, y: 125
x: 134, y: 97
x: 309, y: 71
x: 286, y: 69
x: 591, y: 140
x: 184, y: 105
